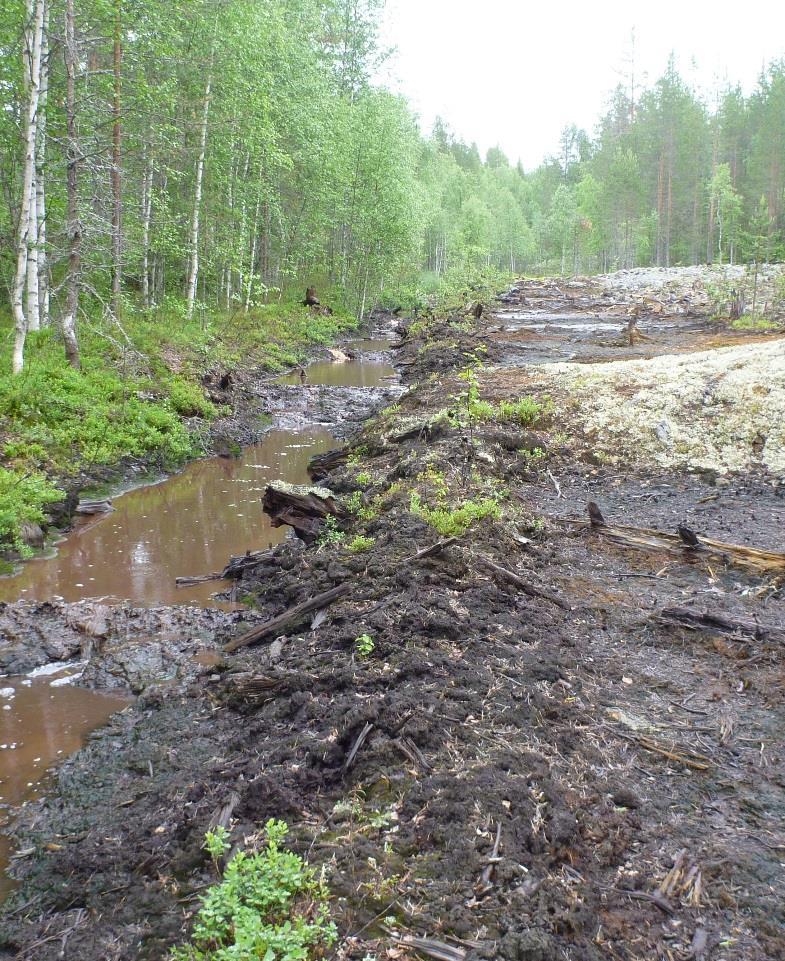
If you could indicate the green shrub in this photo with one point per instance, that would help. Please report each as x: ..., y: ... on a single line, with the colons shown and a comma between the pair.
x: 456, y: 521
x: 22, y: 500
x: 330, y: 533
x: 525, y: 411
x: 188, y: 400
x: 753, y: 322
x: 360, y: 544
x: 269, y: 906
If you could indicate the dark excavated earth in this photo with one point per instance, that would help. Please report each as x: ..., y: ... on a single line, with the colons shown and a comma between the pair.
x: 528, y: 770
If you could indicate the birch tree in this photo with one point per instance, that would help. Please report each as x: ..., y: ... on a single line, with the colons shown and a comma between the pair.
x: 26, y: 240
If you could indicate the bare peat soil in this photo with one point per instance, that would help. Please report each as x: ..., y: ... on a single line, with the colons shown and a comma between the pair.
x: 535, y: 761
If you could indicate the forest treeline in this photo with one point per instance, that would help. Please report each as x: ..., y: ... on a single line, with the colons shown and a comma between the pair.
x: 188, y: 155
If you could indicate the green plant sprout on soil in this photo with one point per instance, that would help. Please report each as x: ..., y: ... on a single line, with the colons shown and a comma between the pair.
x: 364, y: 645
x: 330, y: 533
x: 360, y: 544
x: 269, y: 906
x: 216, y: 843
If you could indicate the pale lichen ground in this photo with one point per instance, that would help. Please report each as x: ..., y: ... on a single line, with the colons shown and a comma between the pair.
x: 721, y: 410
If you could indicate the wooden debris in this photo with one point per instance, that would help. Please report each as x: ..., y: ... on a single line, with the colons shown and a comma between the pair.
x: 223, y: 814
x: 320, y: 465
x: 521, y: 584
x: 485, y: 884
x: 94, y: 507
x: 431, y: 948
x: 233, y: 570
x: 281, y: 623
x: 595, y: 515
x: 684, y: 879
x: 253, y: 686
x: 434, y: 549
x: 645, y: 538
x: 656, y: 898
x: 407, y: 746
x: 690, y: 759
x: 355, y: 749
x: 188, y: 581
x: 722, y: 622
x: 556, y: 485
x: 688, y: 535
x: 301, y: 508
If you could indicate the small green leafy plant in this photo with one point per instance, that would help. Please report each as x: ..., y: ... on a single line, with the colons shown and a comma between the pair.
x: 269, y: 906
x: 354, y: 502
x: 330, y: 534
x: 364, y: 645
x: 456, y: 521
x: 360, y: 544
x: 216, y: 843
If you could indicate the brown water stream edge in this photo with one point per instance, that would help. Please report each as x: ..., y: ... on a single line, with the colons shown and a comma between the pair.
x: 187, y: 524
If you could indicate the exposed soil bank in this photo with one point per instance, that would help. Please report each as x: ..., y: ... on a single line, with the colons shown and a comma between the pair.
x: 533, y: 763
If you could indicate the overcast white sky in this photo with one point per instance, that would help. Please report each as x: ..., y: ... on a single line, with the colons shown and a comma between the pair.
x: 513, y: 73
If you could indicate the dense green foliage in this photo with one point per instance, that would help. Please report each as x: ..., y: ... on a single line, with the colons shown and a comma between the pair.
x: 247, y: 153
x: 269, y: 906
x: 125, y: 402
x: 312, y: 174
x: 665, y: 180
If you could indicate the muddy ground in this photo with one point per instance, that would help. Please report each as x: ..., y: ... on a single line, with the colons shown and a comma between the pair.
x: 531, y: 767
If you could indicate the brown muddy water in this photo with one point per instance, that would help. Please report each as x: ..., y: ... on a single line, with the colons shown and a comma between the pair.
x: 43, y: 719
x: 188, y: 524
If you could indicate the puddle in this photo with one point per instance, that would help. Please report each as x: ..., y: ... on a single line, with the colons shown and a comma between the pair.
x: 42, y: 721
x: 348, y: 374
x: 189, y: 524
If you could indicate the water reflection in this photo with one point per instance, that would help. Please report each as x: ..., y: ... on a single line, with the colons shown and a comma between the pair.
x: 331, y: 374
x: 190, y: 524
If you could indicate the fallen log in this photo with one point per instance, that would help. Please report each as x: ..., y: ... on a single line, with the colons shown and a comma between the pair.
x: 706, y: 620
x: 242, y: 562
x: 189, y: 581
x: 233, y: 570
x: 288, y: 619
x: 94, y: 507
x: 685, y: 543
x: 301, y: 508
x: 320, y: 465
x: 434, y: 549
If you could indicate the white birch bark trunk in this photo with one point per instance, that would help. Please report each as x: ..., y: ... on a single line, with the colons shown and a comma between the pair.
x: 73, y: 224
x: 40, y: 183
x: 35, y: 11
x: 147, y: 207
x: 31, y: 282
x: 193, y: 274
x: 252, y: 264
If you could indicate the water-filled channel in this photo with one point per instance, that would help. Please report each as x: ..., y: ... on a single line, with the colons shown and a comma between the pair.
x: 188, y: 524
